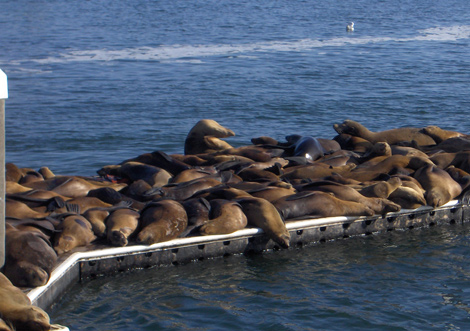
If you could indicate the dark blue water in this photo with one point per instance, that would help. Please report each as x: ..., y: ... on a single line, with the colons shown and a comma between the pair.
x: 93, y: 83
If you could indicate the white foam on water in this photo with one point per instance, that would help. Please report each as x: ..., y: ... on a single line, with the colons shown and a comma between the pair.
x: 194, y: 53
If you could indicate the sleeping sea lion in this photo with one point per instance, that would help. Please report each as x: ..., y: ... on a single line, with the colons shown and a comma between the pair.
x: 16, y: 308
x: 439, y: 185
x: 226, y: 217
x: 392, y: 136
x: 120, y: 225
x: 76, y: 231
x: 162, y: 221
x: 319, y: 204
x: 29, y: 257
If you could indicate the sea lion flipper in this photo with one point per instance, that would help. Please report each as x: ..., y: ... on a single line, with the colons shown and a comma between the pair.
x: 73, y: 208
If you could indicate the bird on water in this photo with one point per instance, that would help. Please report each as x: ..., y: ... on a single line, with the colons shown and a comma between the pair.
x: 350, y: 27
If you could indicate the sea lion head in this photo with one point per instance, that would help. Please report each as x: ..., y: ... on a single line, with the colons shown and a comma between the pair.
x: 31, y: 318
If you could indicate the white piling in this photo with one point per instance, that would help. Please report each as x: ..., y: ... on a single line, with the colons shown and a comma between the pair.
x: 3, y: 96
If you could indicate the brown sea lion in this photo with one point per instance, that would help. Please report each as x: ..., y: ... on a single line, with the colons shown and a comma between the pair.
x: 272, y: 193
x: 156, y: 177
x: 262, y: 214
x: 183, y: 191
x: 380, y: 189
x: 12, y: 172
x: 120, y: 225
x: 226, y: 217
x: 204, y: 136
x: 18, y: 209
x: 76, y: 231
x: 72, y: 186
x: 407, y: 197
x: 29, y: 257
x: 439, y: 185
x: 315, y: 170
x: 353, y: 143
x: 439, y: 135
x: 190, y: 174
x: 162, y: 221
x: 392, y: 136
x: 13, y: 187
x: 378, y: 205
x: 16, y: 308
x: 319, y: 204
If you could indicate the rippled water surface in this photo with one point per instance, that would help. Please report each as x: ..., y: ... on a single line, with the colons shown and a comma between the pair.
x: 93, y: 83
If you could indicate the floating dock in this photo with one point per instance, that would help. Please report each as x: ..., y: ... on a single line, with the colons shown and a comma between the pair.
x: 104, y: 261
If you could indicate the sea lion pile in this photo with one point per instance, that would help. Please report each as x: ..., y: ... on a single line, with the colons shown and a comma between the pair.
x: 214, y: 188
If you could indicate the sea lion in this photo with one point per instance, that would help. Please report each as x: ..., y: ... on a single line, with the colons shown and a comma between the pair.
x: 392, y: 136
x: 262, y: 214
x: 204, y: 136
x: 13, y: 187
x: 16, y: 308
x: 76, y: 231
x: 306, y: 146
x: 378, y: 205
x: 407, y: 197
x: 162, y: 221
x: 226, y: 217
x: 156, y: 177
x: 18, y: 209
x: 319, y: 204
x: 314, y: 170
x: 190, y: 174
x: 439, y: 185
x: 120, y: 225
x: 29, y: 257
x: 380, y: 189
x: 272, y: 193
x: 439, y: 135
x: 161, y: 160
x: 183, y: 191
x: 353, y: 143
x: 12, y: 172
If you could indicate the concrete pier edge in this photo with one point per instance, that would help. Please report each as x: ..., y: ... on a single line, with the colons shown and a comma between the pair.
x: 82, y: 266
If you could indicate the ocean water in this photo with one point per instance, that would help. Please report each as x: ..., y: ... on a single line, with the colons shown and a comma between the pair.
x: 93, y: 83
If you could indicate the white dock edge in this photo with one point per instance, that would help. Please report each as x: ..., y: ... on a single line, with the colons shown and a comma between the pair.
x: 104, y: 261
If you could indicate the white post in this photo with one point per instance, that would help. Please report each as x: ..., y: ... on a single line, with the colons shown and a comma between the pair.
x: 3, y: 96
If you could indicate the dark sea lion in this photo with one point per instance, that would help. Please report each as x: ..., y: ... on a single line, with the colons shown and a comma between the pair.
x: 254, y: 175
x: 156, y: 177
x: 120, y: 225
x: 439, y: 135
x: 161, y: 160
x: 205, y: 136
x: 306, y: 146
x: 197, y: 210
x: 16, y: 308
x: 392, y: 136
x: 76, y: 231
x: 226, y: 217
x: 183, y: 191
x: 31, y: 176
x: 262, y: 214
x: 264, y: 140
x: 439, y: 185
x: 319, y: 204
x: 29, y: 257
x: 162, y: 221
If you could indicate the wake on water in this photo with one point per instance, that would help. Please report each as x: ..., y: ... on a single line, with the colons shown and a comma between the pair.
x: 195, y: 53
